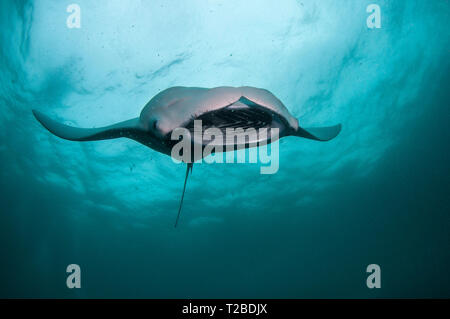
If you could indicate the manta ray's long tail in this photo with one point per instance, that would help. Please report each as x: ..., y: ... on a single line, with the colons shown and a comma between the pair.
x: 188, y: 168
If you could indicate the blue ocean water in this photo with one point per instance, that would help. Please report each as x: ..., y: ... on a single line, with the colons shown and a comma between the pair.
x: 377, y: 194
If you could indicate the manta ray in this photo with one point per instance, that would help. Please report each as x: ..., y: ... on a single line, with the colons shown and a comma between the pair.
x: 178, y: 107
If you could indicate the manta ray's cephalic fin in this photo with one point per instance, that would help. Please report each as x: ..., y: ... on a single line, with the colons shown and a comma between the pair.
x: 322, y: 134
x: 128, y: 129
x: 188, y: 168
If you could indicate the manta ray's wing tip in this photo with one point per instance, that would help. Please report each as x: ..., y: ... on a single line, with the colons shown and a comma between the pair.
x: 42, y: 118
x: 36, y: 114
x: 323, y: 134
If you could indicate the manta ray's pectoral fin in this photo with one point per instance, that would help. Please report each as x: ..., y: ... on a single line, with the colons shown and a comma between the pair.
x: 128, y: 129
x: 323, y: 134
x: 188, y: 168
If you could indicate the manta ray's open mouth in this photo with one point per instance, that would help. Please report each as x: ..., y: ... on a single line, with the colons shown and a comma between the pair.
x: 241, y: 114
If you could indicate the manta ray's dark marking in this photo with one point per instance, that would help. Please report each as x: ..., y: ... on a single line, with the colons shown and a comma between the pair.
x: 221, y: 107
